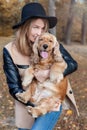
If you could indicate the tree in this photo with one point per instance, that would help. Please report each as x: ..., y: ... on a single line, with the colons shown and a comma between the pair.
x: 84, y: 24
x: 84, y: 28
x: 51, y: 11
x: 67, y: 37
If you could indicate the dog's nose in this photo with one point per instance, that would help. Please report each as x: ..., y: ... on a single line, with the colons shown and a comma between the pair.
x: 45, y: 46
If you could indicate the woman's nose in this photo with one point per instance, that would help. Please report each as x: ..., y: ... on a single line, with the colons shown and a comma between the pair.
x: 39, y: 32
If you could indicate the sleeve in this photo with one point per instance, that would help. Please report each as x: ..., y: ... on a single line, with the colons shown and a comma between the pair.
x: 12, y: 76
x: 71, y: 63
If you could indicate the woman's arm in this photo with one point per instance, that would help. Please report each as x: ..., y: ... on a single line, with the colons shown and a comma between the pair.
x: 12, y: 76
x: 71, y: 63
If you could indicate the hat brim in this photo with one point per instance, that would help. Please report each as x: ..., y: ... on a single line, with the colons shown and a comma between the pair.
x: 52, y: 21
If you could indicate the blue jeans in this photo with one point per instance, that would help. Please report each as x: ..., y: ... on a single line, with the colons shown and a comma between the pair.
x: 47, y: 121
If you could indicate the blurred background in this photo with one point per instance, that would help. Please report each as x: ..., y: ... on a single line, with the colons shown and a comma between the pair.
x: 71, y: 31
x: 71, y: 14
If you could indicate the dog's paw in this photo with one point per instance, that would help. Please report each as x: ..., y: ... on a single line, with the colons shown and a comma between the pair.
x: 56, y: 78
x: 59, y: 77
x: 21, y: 97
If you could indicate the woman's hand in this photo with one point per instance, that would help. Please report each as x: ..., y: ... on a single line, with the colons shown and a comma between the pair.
x: 41, y: 75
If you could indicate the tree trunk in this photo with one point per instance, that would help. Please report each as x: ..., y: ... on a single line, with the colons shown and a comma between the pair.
x: 51, y: 11
x: 84, y: 29
x: 67, y: 37
x: 35, y: 0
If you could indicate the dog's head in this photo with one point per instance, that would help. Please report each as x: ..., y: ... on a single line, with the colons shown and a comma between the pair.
x: 46, y: 45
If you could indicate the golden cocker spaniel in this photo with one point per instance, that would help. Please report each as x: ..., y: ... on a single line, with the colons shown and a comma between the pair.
x: 44, y: 93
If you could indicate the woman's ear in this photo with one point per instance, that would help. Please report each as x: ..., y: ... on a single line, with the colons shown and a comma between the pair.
x: 35, y: 51
x: 57, y: 53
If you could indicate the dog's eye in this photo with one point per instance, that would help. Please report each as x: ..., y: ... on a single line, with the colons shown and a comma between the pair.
x: 40, y: 39
x: 50, y: 40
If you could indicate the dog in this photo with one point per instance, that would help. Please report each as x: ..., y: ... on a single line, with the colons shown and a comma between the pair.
x: 46, y: 56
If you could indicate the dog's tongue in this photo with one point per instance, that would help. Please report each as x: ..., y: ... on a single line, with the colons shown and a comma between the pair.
x: 44, y: 54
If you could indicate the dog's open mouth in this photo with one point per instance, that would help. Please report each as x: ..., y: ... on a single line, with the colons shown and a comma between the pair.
x: 44, y: 54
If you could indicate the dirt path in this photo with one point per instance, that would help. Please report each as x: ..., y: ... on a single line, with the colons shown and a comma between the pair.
x: 79, y: 85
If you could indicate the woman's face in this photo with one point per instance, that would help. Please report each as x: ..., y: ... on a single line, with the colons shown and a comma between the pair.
x: 37, y: 27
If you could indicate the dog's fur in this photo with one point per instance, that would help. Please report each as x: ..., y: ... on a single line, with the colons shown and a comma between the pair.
x: 46, y: 55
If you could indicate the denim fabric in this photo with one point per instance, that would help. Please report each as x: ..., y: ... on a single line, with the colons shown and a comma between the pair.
x: 47, y: 121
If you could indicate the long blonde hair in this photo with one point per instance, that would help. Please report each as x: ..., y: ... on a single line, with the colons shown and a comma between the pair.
x: 22, y: 42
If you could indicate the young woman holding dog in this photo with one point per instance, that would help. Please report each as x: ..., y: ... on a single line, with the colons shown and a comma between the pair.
x: 34, y: 22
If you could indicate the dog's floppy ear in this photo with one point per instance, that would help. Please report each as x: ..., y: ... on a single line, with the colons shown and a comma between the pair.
x: 57, y: 53
x: 35, y: 50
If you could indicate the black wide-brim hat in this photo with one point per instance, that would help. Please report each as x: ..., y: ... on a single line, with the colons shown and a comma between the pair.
x: 35, y: 10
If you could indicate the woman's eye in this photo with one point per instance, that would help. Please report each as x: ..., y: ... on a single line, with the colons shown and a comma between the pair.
x: 35, y: 27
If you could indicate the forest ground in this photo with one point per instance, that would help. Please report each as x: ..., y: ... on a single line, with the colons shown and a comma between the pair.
x: 78, y: 81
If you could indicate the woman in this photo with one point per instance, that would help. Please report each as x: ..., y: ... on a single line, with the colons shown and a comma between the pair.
x: 34, y: 22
